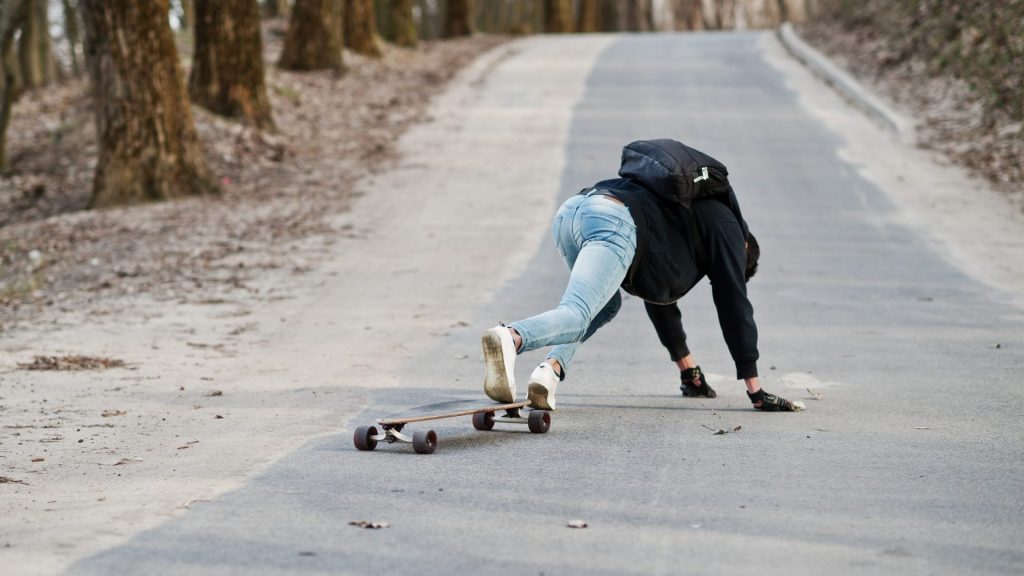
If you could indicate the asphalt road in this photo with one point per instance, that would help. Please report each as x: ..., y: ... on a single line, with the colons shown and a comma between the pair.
x: 911, y: 463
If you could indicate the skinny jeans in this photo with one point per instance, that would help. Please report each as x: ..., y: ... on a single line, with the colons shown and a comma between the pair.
x: 596, y: 237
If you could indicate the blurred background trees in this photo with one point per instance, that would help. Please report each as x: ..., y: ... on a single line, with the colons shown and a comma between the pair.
x: 148, y: 147
x: 148, y: 144
x: 314, y: 37
x: 227, y: 64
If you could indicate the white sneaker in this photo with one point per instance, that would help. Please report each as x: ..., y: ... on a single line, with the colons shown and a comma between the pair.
x: 499, y: 361
x: 541, y: 392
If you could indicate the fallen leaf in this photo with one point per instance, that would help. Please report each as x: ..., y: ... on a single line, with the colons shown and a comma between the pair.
x: 577, y: 524
x: 124, y: 461
x: 109, y: 413
x: 38, y: 459
x: 6, y: 480
x: 369, y: 525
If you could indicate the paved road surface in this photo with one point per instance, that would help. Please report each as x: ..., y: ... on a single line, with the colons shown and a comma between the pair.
x: 910, y: 464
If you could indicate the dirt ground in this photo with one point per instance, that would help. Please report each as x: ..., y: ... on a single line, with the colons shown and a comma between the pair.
x: 948, y: 112
x: 128, y: 381
x: 276, y: 187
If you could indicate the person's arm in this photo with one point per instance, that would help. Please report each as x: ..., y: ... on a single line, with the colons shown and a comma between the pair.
x: 668, y: 323
x: 726, y: 262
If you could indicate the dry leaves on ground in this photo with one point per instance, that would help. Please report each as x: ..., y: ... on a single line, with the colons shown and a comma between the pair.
x: 369, y: 525
x: 71, y: 363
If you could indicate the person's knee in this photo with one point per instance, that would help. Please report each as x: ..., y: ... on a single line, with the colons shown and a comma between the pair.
x: 577, y: 321
x: 614, y: 305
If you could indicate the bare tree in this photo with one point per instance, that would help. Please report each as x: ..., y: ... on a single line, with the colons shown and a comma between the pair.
x: 639, y: 16
x: 590, y: 16
x: 188, y: 14
x: 314, y: 37
x: 72, y: 34
x: 460, y: 18
x: 13, y: 14
x: 35, y: 52
x: 147, y: 139
x: 557, y: 16
x: 688, y: 14
x: 402, y: 30
x: 361, y: 27
x: 275, y: 8
x: 227, y: 68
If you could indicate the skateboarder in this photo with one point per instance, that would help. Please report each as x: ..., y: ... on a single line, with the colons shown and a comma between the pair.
x: 669, y: 220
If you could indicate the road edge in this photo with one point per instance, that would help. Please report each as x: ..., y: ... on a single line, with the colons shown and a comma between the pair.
x: 851, y: 89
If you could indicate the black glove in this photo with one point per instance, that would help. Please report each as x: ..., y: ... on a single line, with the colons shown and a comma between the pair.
x: 694, y: 385
x: 771, y: 403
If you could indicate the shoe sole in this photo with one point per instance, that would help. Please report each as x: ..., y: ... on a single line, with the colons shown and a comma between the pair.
x: 496, y: 382
x: 538, y: 397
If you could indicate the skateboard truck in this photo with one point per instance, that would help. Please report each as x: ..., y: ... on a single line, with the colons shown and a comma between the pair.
x: 425, y: 441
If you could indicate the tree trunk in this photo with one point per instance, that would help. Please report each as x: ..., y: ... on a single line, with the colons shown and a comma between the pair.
x: 590, y: 16
x: 613, y: 15
x: 34, y: 53
x: 147, y: 139
x: 688, y: 14
x: 460, y: 18
x: 314, y: 37
x: 275, y: 8
x: 403, y: 25
x: 361, y: 28
x: 13, y: 14
x: 227, y: 67
x: 638, y: 17
x: 188, y: 14
x: 72, y: 35
x: 725, y: 14
x: 557, y: 16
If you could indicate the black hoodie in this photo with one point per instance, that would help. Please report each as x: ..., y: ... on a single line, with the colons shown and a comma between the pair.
x: 683, y: 235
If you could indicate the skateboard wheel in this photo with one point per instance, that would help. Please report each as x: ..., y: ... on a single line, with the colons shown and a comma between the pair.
x: 483, y: 420
x: 424, y: 441
x: 364, y: 438
x: 539, y: 421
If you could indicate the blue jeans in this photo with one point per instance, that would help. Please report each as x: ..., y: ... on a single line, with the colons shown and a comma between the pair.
x: 597, y: 238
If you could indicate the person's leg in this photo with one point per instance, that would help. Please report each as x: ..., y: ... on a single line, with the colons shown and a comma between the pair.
x: 598, y: 247
x: 606, y: 235
x: 564, y: 353
x: 499, y: 346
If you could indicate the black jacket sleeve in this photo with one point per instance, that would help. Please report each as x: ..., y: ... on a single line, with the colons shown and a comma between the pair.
x: 668, y: 323
x: 727, y: 259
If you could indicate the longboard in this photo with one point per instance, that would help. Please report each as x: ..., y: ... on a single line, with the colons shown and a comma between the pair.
x: 425, y: 441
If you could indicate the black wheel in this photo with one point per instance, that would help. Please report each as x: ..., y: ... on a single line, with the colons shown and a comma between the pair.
x: 424, y: 441
x: 483, y: 420
x: 539, y: 421
x: 364, y: 438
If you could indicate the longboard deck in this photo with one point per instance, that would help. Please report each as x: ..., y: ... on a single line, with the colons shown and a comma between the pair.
x: 425, y: 441
x: 451, y: 409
